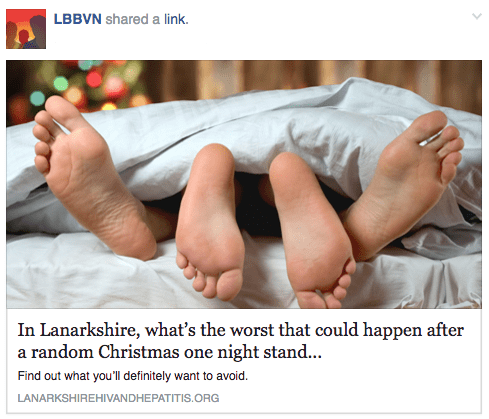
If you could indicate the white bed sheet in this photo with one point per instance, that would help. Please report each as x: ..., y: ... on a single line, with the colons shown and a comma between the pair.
x: 76, y: 270
x: 339, y: 130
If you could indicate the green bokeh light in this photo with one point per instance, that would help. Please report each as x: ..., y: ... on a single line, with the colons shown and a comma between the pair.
x: 132, y: 72
x: 37, y: 98
x: 60, y: 83
x: 85, y: 65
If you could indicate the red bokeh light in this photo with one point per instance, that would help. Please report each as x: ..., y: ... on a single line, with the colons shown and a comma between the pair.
x: 94, y: 79
x: 19, y: 109
x: 70, y: 63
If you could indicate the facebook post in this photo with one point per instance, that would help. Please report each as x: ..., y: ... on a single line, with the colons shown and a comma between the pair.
x: 226, y: 208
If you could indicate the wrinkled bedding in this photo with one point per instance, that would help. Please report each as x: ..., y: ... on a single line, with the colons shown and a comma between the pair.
x: 339, y: 130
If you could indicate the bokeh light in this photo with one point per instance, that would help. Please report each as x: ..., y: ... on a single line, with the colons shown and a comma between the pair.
x: 88, y: 84
x: 60, y: 83
x: 85, y: 65
x: 37, y: 98
x: 115, y: 87
x: 76, y: 96
x: 139, y: 100
x: 94, y: 79
x: 77, y: 79
x: 132, y: 72
x: 18, y: 109
x: 70, y: 63
x: 47, y: 72
x: 108, y: 106
x: 118, y: 62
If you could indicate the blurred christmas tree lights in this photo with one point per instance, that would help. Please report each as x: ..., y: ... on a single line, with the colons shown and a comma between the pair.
x: 91, y: 85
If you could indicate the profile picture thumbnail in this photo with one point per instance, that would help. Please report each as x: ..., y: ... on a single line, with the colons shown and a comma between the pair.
x: 26, y: 28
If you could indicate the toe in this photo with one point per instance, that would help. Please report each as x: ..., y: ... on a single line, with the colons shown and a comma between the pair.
x: 199, y: 282
x: 339, y: 293
x: 65, y: 113
x: 189, y: 272
x: 42, y: 164
x: 451, y: 146
x: 344, y: 281
x: 310, y: 299
x: 350, y: 266
x: 182, y: 261
x: 447, y: 135
x: 45, y: 120
x: 332, y: 302
x: 229, y: 284
x: 449, y: 167
x: 457, y: 144
x: 42, y: 149
x: 453, y: 158
x: 210, y: 290
x: 41, y: 133
x: 426, y: 126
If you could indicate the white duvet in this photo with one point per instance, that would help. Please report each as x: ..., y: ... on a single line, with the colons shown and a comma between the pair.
x: 339, y: 130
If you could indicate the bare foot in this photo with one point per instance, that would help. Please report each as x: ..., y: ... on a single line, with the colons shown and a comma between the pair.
x: 79, y: 171
x: 409, y: 180
x: 317, y: 249
x: 210, y: 247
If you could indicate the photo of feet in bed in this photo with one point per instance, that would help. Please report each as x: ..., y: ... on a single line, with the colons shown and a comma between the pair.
x: 321, y: 247
x: 400, y: 186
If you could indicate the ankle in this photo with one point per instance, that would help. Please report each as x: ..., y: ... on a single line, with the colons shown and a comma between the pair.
x: 366, y: 238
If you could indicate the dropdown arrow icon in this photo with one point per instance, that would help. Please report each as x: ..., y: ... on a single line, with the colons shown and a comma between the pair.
x: 477, y: 16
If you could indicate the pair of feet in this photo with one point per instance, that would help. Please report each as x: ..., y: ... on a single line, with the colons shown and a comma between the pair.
x: 210, y: 247
x: 320, y: 248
